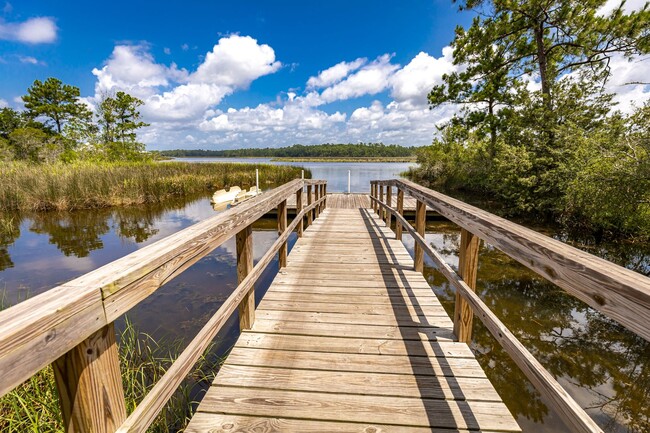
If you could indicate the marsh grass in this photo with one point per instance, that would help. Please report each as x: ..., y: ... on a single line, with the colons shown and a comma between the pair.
x: 85, y: 185
x: 34, y: 406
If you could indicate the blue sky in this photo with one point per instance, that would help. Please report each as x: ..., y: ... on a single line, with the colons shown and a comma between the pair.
x: 244, y: 74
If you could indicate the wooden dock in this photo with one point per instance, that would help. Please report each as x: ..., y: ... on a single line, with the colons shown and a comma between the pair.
x: 339, y: 200
x: 349, y: 338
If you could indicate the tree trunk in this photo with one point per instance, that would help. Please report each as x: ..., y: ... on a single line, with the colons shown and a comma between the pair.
x: 542, y: 63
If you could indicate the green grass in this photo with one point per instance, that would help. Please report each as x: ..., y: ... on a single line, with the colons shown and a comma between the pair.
x: 85, y: 185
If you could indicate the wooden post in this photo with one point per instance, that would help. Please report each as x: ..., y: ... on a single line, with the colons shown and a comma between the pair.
x: 400, y: 210
x: 325, y: 195
x: 244, y: 242
x: 373, y: 193
x: 467, y: 269
x: 316, y: 197
x: 321, y: 189
x: 89, y: 382
x: 389, y: 202
x: 282, y: 226
x: 310, y: 214
x: 420, y: 220
x: 299, y: 207
x: 381, y: 199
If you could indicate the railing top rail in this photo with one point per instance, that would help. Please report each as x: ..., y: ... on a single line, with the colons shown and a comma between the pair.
x: 37, y: 331
x: 617, y: 292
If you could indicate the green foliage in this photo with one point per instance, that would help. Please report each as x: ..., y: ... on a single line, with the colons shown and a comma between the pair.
x: 56, y: 101
x: 359, y: 150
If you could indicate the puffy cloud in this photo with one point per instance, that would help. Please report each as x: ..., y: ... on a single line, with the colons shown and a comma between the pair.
x: 335, y: 73
x: 629, y: 81
x: 29, y: 60
x: 3, y: 103
x: 40, y: 30
x: 173, y: 94
x: 236, y: 61
x: 413, y: 82
x: 369, y: 80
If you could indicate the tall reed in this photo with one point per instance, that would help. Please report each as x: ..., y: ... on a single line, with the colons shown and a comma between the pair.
x: 86, y: 185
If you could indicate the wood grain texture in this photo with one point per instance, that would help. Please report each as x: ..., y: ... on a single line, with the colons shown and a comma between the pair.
x: 617, y: 292
x: 89, y: 384
x: 299, y: 209
x: 467, y: 269
x: 244, y: 245
x: 282, y: 226
x: 389, y: 199
x: 563, y: 404
x: 420, y: 220
x: 310, y: 199
x: 400, y: 210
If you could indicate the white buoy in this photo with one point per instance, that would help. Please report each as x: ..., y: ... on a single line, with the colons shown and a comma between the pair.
x: 257, y: 180
x: 348, y: 181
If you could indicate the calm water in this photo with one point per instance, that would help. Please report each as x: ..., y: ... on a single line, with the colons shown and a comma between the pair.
x: 604, y: 367
x: 336, y: 173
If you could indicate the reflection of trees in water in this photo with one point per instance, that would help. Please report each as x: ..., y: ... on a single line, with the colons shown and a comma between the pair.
x: 571, y: 340
x: 9, y: 232
x: 77, y: 233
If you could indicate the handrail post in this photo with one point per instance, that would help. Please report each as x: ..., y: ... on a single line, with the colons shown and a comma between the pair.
x: 373, y: 194
x: 325, y: 195
x: 299, y: 208
x: 467, y: 270
x: 89, y: 383
x: 282, y: 226
x: 316, y: 197
x: 420, y: 219
x: 310, y: 214
x: 400, y: 210
x: 389, y: 202
x: 381, y: 199
x: 244, y: 242
x: 320, y: 206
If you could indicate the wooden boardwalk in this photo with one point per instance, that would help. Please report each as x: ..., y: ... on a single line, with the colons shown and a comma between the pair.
x: 350, y: 338
x: 340, y: 200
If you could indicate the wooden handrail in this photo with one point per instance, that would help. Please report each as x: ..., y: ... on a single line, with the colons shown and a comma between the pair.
x: 619, y: 293
x: 570, y: 411
x: 43, y: 329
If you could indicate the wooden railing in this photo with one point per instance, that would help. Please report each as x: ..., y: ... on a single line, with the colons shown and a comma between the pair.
x: 618, y: 293
x: 71, y: 326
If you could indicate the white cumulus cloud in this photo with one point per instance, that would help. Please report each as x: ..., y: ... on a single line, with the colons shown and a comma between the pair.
x: 335, y: 73
x: 39, y: 30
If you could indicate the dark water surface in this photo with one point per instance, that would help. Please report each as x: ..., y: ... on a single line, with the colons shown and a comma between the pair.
x: 603, y: 366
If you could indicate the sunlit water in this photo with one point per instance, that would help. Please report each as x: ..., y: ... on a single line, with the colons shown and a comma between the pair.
x: 603, y: 366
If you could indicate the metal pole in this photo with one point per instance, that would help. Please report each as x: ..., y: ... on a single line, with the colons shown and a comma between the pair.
x: 348, y: 181
x: 257, y: 180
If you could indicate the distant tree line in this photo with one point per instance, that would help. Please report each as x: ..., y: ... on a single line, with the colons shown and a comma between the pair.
x: 537, y: 130
x: 327, y: 150
x: 57, y: 126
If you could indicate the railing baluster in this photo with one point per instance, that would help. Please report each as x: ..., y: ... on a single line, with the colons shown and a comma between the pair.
x: 381, y: 199
x: 299, y: 208
x: 373, y: 193
x: 420, y: 220
x: 89, y: 383
x: 400, y: 210
x: 244, y: 242
x: 389, y: 202
x: 316, y: 197
x: 282, y: 226
x: 467, y: 269
x: 325, y: 195
x: 310, y: 214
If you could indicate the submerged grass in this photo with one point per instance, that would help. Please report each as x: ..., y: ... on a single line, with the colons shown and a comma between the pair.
x: 34, y: 406
x: 86, y: 185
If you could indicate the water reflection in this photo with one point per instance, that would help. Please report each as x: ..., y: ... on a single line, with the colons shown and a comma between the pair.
x: 602, y: 365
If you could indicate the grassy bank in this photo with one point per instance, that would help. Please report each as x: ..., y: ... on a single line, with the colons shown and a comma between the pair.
x: 34, y: 406
x: 350, y: 159
x: 88, y: 185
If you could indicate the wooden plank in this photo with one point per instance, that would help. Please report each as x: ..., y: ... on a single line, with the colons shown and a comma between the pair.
x: 244, y: 244
x: 401, y: 311
x: 357, y: 331
x: 351, y: 298
x: 337, y: 280
x: 367, y: 383
x: 359, y: 362
x: 467, y: 269
x: 354, y: 319
x: 400, y: 210
x: 299, y: 207
x: 89, y: 385
x: 346, y: 289
x: 310, y: 215
x: 420, y: 220
x: 282, y: 226
x: 355, y: 408
x: 225, y: 423
x: 353, y: 345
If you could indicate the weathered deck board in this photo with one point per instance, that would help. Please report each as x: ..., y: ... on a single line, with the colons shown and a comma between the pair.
x: 349, y: 338
x: 355, y: 201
